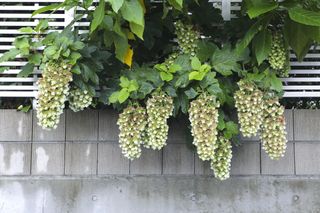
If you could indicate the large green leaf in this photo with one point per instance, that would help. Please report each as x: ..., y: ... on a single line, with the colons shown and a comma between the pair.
x: 132, y: 11
x: 116, y: 4
x: 299, y: 37
x: 303, y: 16
x: 262, y: 45
x: 98, y: 16
x: 254, y: 29
x: 137, y: 29
x: 11, y: 54
x: 256, y: 8
x: 225, y: 60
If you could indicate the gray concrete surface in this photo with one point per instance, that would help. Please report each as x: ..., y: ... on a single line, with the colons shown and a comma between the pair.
x: 146, y: 194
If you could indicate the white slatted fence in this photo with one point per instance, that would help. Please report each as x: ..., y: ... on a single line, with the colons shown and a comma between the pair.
x: 304, y: 80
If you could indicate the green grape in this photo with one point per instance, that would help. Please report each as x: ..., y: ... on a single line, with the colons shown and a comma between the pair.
x: 249, y: 104
x: 279, y: 56
x: 203, y: 115
x: 273, y: 130
x: 53, y: 92
x: 221, y: 164
x: 159, y: 109
x: 79, y: 100
x: 187, y: 38
x: 132, y: 122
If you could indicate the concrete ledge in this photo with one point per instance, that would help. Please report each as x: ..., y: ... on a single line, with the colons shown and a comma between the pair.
x: 145, y: 194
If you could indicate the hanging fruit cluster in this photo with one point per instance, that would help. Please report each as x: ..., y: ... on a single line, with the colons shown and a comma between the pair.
x: 187, y: 38
x: 249, y: 104
x: 203, y: 116
x: 221, y: 164
x: 159, y: 109
x: 132, y: 123
x: 53, y: 92
x: 79, y: 99
x: 279, y: 55
x: 273, y: 130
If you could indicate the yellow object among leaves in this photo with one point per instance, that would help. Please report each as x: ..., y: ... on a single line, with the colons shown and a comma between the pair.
x: 128, y: 57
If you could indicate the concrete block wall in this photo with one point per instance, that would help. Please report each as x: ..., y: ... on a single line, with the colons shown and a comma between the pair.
x: 79, y: 168
x: 86, y: 144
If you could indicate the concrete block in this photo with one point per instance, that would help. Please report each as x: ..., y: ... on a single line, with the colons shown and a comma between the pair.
x: 81, y: 159
x: 48, y: 158
x: 283, y: 166
x: 288, y: 113
x: 202, y: 167
x: 55, y: 135
x: 178, y: 159
x: 179, y: 131
x: 15, y: 158
x: 246, y: 159
x: 306, y: 125
x: 15, y: 126
x: 82, y: 126
x: 307, y: 158
x: 108, y: 128
x: 150, y: 163
x: 111, y: 160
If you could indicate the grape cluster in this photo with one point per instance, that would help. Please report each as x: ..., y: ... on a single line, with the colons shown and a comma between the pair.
x: 187, y: 38
x: 53, y: 92
x: 273, y: 130
x: 221, y: 164
x: 203, y: 115
x: 132, y: 122
x: 159, y: 109
x: 279, y: 56
x: 249, y: 104
x: 79, y: 99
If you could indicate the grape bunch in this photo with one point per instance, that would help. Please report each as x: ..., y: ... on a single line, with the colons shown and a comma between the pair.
x: 249, y: 104
x: 159, y: 109
x: 79, y: 99
x: 273, y: 130
x: 203, y: 115
x: 279, y: 56
x: 132, y: 122
x: 187, y: 38
x: 221, y: 164
x: 53, y: 92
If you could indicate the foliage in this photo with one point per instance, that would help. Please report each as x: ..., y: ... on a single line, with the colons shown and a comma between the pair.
x: 136, y: 49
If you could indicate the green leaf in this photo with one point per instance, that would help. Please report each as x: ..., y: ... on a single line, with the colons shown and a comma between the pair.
x: 123, y: 95
x: 243, y: 44
x: 78, y: 45
x: 205, y: 50
x: 174, y: 68
x: 50, y: 51
x: 146, y: 88
x: 166, y: 76
x: 225, y: 60
x: 137, y: 29
x: 27, y: 30
x: 26, y: 70
x: 43, y: 25
x: 87, y: 3
x: 195, y: 63
x: 258, y: 7
x: 134, y: 86
x: 116, y: 4
x: 76, y: 70
x: 74, y: 57
x: 214, y: 89
x: 24, y: 108
x: 303, y: 16
x: 299, y: 37
x: 132, y: 11
x: 21, y: 43
x: 276, y: 83
x: 182, y: 81
x: 191, y: 93
x: 177, y: 4
x: 35, y: 59
x: 221, y: 124
x: 262, y: 45
x: 114, y: 97
x: 124, y: 82
x: 47, y: 8
x: 195, y: 75
x: 98, y: 16
x: 9, y: 55
x: 122, y: 46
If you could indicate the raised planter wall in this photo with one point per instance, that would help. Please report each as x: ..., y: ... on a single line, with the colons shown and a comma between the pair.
x: 79, y: 168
